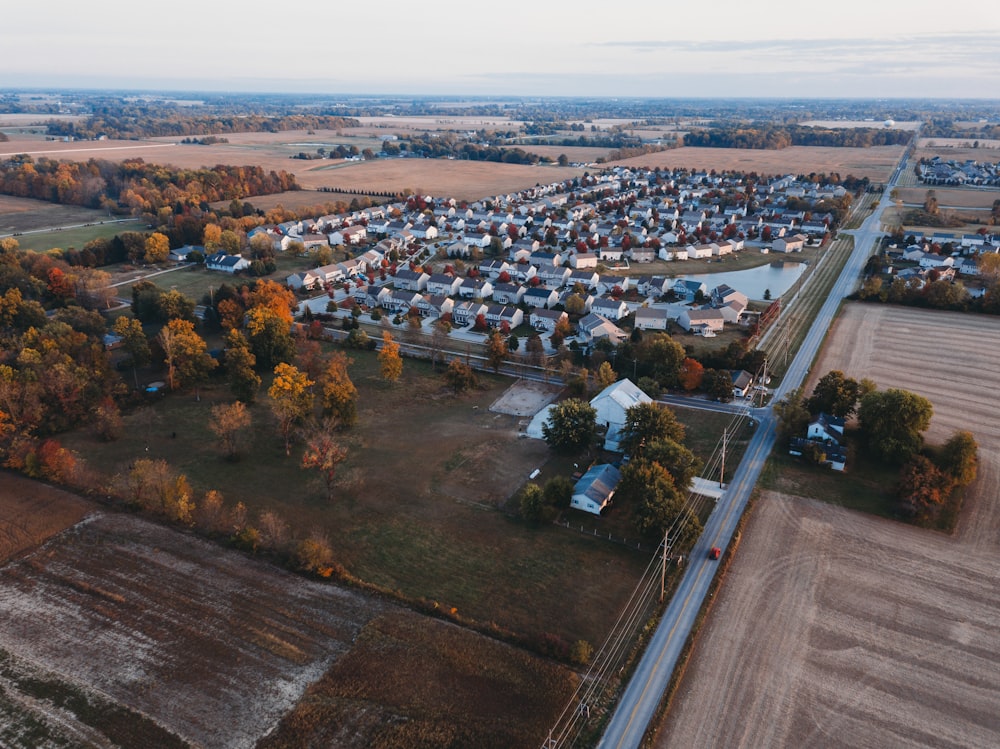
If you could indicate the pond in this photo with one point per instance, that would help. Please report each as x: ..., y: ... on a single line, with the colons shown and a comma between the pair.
x: 775, y: 277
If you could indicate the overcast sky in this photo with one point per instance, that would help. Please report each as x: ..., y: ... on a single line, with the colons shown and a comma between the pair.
x: 843, y: 48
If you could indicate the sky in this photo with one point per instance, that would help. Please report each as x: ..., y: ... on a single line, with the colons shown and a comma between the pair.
x: 655, y: 48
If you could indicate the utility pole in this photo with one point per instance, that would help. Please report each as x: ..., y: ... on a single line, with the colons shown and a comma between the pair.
x: 663, y: 568
x: 722, y: 464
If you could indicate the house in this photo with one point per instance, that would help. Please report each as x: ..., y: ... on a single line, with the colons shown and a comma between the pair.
x: 613, y: 309
x: 435, y: 304
x: 593, y: 492
x: 465, y: 313
x: 583, y: 260
x: 611, y: 405
x: 642, y: 254
x: 794, y: 243
x: 689, y: 290
x: 493, y: 268
x: 824, y: 438
x: 553, y: 275
x: 651, y: 318
x: 440, y: 283
x: 351, y: 235
x: 593, y: 327
x: 742, y: 382
x: 706, y: 322
x: 226, y: 263
x: 400, y: 300
x: 498, y: 314
x: 475, y: 288
x: 315, y: 241
x: 180, y: 255
x: 540, y: 297
x: 508, y: 293
x: 545, y: 320
x: 587, y: 278
x: 826, y: 428
x: 411, y: 280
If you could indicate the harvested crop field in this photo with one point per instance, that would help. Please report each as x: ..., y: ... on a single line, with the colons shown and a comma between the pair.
x: 211, y: 644
x: 836, y: 628
x: 32, y: 512
x: 876, y: 163
x: 463, y: 180
x: 26, y: 214
x: 950, y: 197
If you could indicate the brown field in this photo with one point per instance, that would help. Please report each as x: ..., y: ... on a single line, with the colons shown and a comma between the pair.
x: 464, y: 180
x: 217, y: 647
x: 835, y: 628
x: 32, y: 512
x: 958, y: 148
x: 875, y: 163
x: 950, y: 196
x: 26, y: 214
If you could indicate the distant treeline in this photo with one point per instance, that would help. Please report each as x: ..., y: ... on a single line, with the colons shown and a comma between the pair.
x: 130, y: 123
x: 3, y: 138
x: 133, y: 186
x: 949, y: 128
x: 450, y: 145
x: 777, y: 137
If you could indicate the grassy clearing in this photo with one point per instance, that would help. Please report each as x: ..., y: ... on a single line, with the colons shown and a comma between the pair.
x: 66, y: 239
x: 420, y: 501
x: 865, y: 485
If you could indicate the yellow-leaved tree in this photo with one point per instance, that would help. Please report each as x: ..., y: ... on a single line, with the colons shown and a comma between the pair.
x: 291, y: 399
x: 389, y: 358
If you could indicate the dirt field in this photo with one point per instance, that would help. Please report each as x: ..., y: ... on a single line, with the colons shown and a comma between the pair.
x: 31, y: 513
x: 835, y: 628
x: 525, y: 398
x: 875, y: 163
x: 958, y: 148
x: 25, y: 214
x: 912, y: 125
x: 950, y: 196
x: 213, y: 645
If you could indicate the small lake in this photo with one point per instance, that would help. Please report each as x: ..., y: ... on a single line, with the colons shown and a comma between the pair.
x: 753, y: 282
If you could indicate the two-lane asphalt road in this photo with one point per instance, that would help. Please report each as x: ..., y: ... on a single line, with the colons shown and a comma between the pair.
x: 644, y: 692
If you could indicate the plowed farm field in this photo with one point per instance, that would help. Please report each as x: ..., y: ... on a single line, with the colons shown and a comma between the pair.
x: 839, y: 629
x: 875, y: 163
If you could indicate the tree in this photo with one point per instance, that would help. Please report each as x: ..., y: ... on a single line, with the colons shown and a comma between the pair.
x: 157, y: 248
x: 134, y: 342
x: 663, y: 356
x: 496, y: 350
x: 239, y: 361
x: 340, y: 396
x: 931, y: 203
x: 646, y: 423
x: 690, y: 374
x: 835, y: 395
x: 291, y: 399
x: 605, y: 376
x: 558, y: 492
x: 173, y: 305
x: 323, y: 454
x: 922, y: 488
x: 651, y: 491
x: 315, y: 555
x: 187, y: 358
x: 229, y: 423
x: 571, y: 426
x: 155, y: 487
x: 532, y: 504
x: 682, y: 464
x: 107, y: 419
x: 989, y: 267
x: 270, y: 336
x: 460, y: 376
x: 792, y: 414
x: 958, y: 458
x: 892, y: 421
x: 389, y: 360
x: 718, y: 384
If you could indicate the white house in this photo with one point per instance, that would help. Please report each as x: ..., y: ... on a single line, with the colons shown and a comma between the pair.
x: 226, y: 263
x: 651, y: 318
x: 611, y: 405
x: 593, y: 327
x: 794, y: 243
x: 704, y: 322
x: 595, y: 488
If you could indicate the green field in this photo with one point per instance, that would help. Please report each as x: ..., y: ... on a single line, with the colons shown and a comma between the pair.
x: 73, y: 238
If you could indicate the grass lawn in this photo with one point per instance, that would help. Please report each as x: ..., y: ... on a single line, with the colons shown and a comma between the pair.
x: 72, y: 238
x: 865, y: 485
x: 419, y: 501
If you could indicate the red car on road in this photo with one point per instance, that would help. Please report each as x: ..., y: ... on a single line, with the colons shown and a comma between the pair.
x: 714, y: 553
